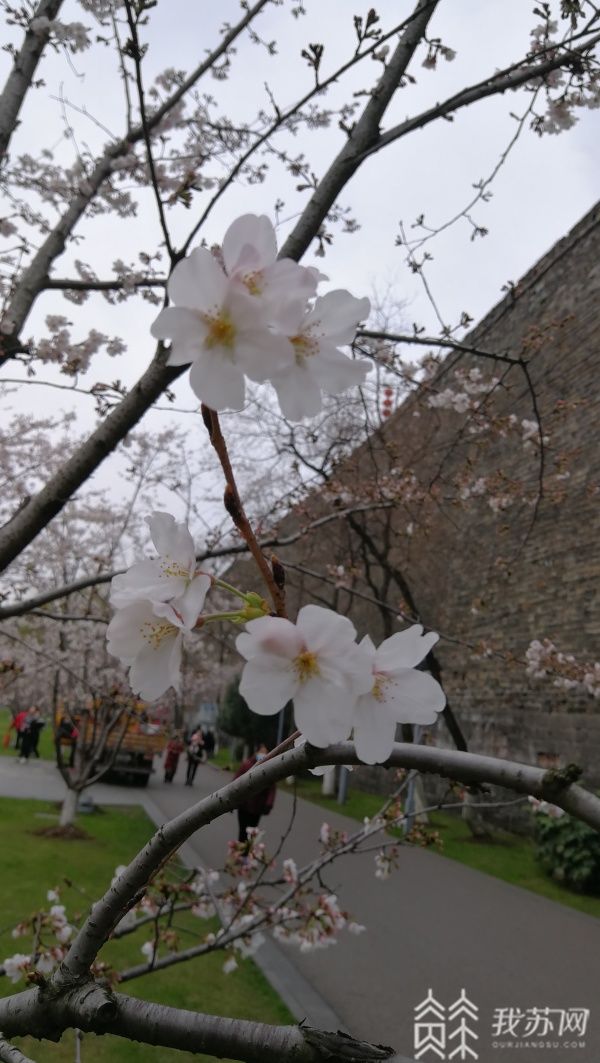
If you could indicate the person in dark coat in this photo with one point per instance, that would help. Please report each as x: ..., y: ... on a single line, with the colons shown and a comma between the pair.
x: 209, y: 742
x: 174, y: 750
x: 195, y: 754
x: 30, y: 734
x: 260, y: 804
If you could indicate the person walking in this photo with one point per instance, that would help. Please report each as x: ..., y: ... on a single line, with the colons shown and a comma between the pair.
x: 30, y: 734
x: 175, y: 748
x: 18, y: 722
x: 260, y: 804
x: 195, y: 754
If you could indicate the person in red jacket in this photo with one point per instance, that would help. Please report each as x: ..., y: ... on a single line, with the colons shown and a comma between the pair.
x: 259, y: 804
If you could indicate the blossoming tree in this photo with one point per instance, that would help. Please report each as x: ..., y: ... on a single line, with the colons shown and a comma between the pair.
x: 249, y: 322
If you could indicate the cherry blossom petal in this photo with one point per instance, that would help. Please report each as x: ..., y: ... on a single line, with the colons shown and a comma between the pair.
x: 324, y: 630
x: 191, y: 602
x: 405, y: 649
x: 412, y: 697
x: 336, y: 315
x: 270, y: 635
x: 263, y: 353
x: 374, y: 730
x: 185, y: 329
x: 250, y: 231
x: 298, y: 393
x: 198, y: 281
x: 323, y: 713
x: 268, y: 683
x: 154, y: 670
x: 146, y: 580
x: 335, y: 372
x: 124, y: 631
x: 218, y: 381
x: 172, y: 539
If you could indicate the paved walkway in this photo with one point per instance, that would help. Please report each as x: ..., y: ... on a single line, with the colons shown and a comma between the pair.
x: 433, y: 925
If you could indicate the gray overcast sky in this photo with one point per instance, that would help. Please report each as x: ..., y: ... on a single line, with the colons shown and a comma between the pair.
x: 545, y: 187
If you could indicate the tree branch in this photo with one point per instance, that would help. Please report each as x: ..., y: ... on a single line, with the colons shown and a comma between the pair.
x: 36, y: 274
x: 20, y: 78
x: 29, y: 604
x: 40, y: 510
x: 10, y: 1054
x: 364, y: 135
x: 510, y: 78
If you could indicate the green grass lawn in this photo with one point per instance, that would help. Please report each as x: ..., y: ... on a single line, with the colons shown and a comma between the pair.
x: 509, y: 856
x: 31, y: 865
x: 46, y: 745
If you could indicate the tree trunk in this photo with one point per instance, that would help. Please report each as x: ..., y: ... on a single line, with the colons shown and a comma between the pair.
x: 69, y: 808
x: 328, y: 788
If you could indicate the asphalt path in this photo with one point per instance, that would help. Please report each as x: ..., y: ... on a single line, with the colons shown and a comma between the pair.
x: 526, y: 965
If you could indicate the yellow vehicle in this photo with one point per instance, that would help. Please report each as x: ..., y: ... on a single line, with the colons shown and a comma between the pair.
x: 114, y: 733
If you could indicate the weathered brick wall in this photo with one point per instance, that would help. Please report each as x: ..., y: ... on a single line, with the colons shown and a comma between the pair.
x: 475, y: 575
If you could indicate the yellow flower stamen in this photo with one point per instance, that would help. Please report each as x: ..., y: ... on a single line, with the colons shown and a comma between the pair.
x: 254, y: 282
x: 154, y: 632
x: 221, y: 330
x: 304, y: 346
x: 378, y: 688
x: 174, y: 568
x: 306, y: 666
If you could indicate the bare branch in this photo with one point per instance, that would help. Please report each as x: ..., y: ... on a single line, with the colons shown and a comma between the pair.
x: 510, y: 78
x: 20, y: 78
x: 28, y: 604
x: 364, y: 137
x: 36, y: 274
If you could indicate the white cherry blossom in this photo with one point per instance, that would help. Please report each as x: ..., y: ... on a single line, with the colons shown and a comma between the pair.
x: 148, y: 637
x: 250, y: 259
x: 218, y: 326
x: 319, y: 366
x: 398, y: 693
x: 15, y: 966
x: 314, y: 661
x: 172, y: 577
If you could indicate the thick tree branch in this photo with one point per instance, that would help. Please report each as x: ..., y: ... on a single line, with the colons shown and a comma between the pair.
x: 20, y: 78
x: 364, y: 135
x: 40, y: 510
x: 157, y: 1024
x: 511, y: 78
x: 10, y: 1054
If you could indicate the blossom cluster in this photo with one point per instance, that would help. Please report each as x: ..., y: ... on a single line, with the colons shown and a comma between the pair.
x: 544, y: 659
x: 544, y: 808
x: 45, y: 955
x: 337, y: 685
x: 241, y: 312
x: 156, y: 602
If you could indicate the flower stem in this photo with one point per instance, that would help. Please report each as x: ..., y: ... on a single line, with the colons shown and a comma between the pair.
x: 234, y: 507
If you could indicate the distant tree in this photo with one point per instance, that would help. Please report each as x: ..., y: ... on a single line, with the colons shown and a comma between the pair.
x: 236, y: 719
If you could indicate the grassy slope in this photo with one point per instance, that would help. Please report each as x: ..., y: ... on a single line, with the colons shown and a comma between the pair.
x: 31, y: 865
x: 509, y: 857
